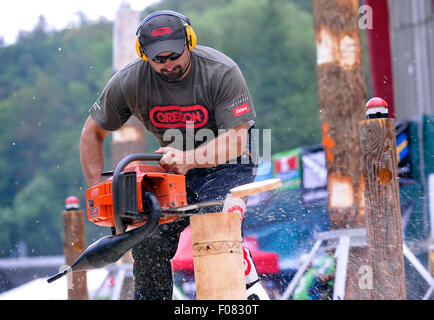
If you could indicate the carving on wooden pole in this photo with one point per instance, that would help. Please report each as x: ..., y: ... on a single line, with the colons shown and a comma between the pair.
x: 217, y: 247
x: 217, y: 255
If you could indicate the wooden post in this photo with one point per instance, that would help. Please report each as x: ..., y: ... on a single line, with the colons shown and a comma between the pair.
x: 131, y: 137
x: 74, y: 244
x: 341, y: 99
x: 218, y: 256
x: 217, y: 247
x: 431, y: 210
x: 382, y: 205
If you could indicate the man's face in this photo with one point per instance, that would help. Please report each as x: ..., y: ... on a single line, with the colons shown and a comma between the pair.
x: 171, y: 70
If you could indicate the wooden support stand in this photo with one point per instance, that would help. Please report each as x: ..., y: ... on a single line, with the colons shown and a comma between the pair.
x: 217, y: 248
x: 218, y: 256
x: 131, y: 137
x: 382, y: 207
x: 342, y: 241
x: 74, y: 244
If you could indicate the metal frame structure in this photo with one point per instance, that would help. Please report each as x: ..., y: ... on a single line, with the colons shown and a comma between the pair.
x: 341, y: 241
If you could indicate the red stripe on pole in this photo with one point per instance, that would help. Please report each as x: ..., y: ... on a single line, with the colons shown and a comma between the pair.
x: 380, y: 52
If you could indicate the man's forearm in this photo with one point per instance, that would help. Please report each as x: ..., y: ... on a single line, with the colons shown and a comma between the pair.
x: 92, y: 153
x: 225, y: 147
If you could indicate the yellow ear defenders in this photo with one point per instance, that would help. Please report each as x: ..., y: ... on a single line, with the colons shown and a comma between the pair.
x: 190, y: 36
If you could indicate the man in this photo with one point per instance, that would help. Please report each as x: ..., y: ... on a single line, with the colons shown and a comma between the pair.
x: 195, y: 101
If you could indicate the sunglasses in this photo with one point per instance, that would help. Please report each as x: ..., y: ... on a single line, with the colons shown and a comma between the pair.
x: 172, y: 57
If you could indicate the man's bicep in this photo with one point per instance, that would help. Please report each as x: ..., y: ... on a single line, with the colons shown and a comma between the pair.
x: 241, y: 127
x: 92, y: 128
x: 110, y: 110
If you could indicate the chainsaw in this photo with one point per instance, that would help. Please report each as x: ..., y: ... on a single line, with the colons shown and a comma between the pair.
x: 140, y: 197
x: 135, y: 193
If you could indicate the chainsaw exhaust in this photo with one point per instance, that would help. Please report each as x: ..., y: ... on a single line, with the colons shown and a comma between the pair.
x: 110, y: 249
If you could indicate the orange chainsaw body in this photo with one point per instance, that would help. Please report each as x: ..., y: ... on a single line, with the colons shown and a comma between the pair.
x: 168, y: 188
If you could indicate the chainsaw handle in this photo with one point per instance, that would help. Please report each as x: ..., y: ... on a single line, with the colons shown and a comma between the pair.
x: 120, y: 228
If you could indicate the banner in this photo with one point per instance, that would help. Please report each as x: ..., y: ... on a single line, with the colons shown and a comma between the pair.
x: 265, y: 172
x: 314, y: 173
x: 286, y: 167
x: 405, y: 173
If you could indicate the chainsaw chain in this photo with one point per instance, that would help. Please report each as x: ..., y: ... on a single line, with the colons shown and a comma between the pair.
x: 184, y: 212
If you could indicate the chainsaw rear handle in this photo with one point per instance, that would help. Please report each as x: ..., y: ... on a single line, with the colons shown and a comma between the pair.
x: 120, y: 227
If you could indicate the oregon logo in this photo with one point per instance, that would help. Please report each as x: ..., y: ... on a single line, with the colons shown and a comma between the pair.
x: 161, y: 32
x: 178, y: 117
x: 93, y: 212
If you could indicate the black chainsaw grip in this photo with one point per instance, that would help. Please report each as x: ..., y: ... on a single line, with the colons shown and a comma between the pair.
x: 110, y: 249
x: 117, y: 187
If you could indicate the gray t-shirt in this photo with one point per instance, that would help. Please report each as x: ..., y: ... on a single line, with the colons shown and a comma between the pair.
x: 213, y: 96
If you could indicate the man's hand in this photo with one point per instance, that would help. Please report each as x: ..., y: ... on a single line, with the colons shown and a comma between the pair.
x: 225, y: 147
x: 174, y: 160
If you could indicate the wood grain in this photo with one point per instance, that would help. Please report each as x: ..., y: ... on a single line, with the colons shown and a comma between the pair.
x: 255, y: 187
x: 341, y: 100
x: 218, y: 256
x: 382, y: 207
x: 74, y: 244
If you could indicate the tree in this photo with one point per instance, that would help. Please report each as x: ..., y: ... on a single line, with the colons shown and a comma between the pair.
x: 273, y: 43
x: 49, y: 80
x: 36, y: 224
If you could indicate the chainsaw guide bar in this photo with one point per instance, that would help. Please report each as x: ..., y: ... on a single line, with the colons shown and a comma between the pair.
x: 134, y: 198
x: 183, y: 211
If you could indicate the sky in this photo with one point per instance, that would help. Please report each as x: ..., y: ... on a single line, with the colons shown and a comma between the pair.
x: 16, y: 15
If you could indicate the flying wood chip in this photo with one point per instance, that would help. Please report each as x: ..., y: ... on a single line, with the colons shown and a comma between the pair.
x: 255, y: 187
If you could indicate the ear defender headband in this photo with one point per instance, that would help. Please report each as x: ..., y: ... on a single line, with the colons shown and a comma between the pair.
x: 190, y: 36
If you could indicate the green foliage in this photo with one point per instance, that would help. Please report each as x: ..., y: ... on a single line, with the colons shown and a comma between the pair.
x: 8, y: 226
x: 48, y: 81
x: 33, y: 211
x: 273, y: 43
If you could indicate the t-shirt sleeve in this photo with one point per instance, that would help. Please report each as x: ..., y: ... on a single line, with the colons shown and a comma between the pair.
x: 110, y: 110
x: 234, y: 105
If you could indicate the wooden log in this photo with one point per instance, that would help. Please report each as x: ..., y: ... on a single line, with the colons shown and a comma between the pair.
x: 431, y: 210
x: 131, y: 138
x: 218, y: 256
x: 382, y: 208
x: 124, y: 36
x: 255, y: 187
x: 128, y: 140
x: 341, y: 99
x: 73, y: 246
